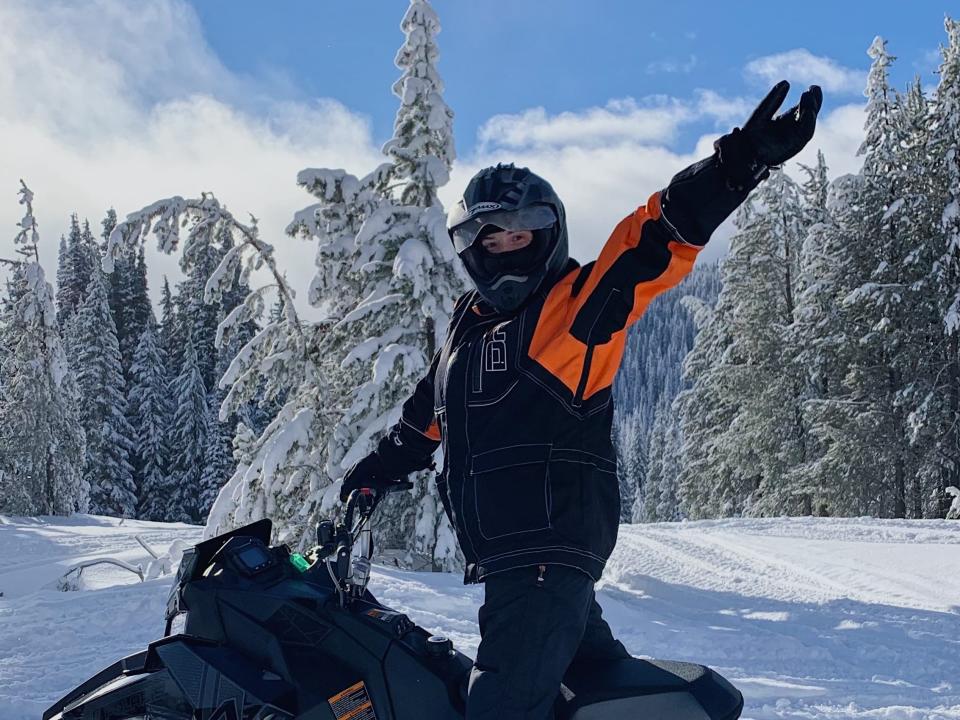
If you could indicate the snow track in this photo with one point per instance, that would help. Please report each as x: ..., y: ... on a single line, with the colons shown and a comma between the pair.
x: 810, y: 618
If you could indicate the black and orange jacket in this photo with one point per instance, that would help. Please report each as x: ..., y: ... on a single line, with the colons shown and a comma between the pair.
x: 522, y: 403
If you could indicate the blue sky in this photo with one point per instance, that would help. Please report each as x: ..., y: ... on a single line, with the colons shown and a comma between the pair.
x: 123, y: 102
x: 504, y: 57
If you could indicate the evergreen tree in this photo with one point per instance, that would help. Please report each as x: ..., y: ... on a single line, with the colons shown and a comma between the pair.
x: 651, y: 375
x: 63, y: 279
x: 129, y: 299
x: 708, y: 485
x: 944, y: 421
x: 41, y: 442
x: 385, y: 285
x: 168, y: 330
x: 816, y: 336
x: 647, y: 498
x: 76, y: 265
x: 189, y: 438
x: 916, y: 337
x: 668, y: 498
x: 630, y: 444
x: 410, y: 280
x: 103, y: 409
x: 874, y: 377
x: 152, y: 418
x: 218, y: 464
x: 760, y: 274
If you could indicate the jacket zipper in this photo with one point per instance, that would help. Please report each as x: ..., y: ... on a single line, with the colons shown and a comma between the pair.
x: 584, y: 376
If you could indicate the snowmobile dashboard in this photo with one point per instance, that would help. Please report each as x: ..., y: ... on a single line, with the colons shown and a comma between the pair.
x: 246, y: 556
x: 203, y: 553
x: 251, y: 557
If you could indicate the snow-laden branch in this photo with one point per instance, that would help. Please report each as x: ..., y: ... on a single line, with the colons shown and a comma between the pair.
x: 204, y: 216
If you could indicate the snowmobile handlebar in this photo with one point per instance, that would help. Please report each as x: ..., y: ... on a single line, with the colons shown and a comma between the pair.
x: 365, y: 500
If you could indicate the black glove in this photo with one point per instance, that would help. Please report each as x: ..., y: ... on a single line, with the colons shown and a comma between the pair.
x: 747, y: 155
x: 366, y: 473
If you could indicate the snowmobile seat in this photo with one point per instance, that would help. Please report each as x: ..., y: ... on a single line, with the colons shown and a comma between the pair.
x: 651, y: 689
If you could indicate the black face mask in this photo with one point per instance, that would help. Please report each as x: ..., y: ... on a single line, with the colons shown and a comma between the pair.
x: 515, y: 262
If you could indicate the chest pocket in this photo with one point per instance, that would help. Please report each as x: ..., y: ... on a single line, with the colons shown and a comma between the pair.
x: 492, y: 371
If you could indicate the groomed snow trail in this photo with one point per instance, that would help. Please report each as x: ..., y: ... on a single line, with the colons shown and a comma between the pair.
x: 810, y: 618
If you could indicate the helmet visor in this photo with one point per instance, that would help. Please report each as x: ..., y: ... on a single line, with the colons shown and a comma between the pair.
x: 535, y: 217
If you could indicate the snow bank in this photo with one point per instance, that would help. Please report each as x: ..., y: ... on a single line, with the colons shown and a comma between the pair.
x: 811, y: 618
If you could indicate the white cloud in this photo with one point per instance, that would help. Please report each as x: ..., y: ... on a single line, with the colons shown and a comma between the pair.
x: 655, y: 121
x: 803, y: 68
x: 672, y: 66
x: 839, y: 135
x: 118, y: 103
x: 603, y: 162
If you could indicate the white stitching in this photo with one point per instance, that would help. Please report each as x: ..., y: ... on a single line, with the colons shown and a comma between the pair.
x: 508, y: 447
x: 494, y: 401
x: 673, y: 229
x: 565, y: 548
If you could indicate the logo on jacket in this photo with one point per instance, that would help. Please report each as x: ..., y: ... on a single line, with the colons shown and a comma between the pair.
x: 495, y: 352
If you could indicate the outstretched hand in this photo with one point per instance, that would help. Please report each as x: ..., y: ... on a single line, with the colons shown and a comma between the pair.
x: 767, y: 141
x: 777, y: 139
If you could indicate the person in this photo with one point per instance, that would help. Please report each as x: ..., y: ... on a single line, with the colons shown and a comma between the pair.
x: 519, y: 395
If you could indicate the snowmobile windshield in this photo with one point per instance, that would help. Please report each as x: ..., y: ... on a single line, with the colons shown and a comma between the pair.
x: 535, y: 217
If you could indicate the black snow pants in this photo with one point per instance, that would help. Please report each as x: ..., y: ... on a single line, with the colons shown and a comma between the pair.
x: 535, y: 622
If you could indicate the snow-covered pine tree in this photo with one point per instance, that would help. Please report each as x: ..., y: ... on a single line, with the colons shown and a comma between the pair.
x: 814, y: 333
x: 41, y: 441
x: 767, y: 435
x: 630, y: 443
x: 708, y: 486
x: 152, y: 418
x: 945, y: 144
x: 74, y: 271
x: 188, y: 437
x: 651, y: 371
x: 218, y: 462
x: 835, y: 257
x: 668, y: 500
x: 104, y: 404
x: 647, y: 498
x: 916, y: 305
x: 875, y: 375
x: 63, y: 278
x: 129, y: 298
x: 167, y: 332
x: 278, y: 352
x: 283, y: 470
x: 410, y: 280
x: 73, y: 278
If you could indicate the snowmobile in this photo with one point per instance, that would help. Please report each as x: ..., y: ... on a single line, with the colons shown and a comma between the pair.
x: 255, y: 632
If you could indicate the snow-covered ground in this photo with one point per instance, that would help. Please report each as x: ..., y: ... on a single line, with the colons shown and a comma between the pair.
x: 810, y: 618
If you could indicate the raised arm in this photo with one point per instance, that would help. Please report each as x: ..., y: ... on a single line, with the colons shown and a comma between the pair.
x: 655, y: 247
x: 580, y: 332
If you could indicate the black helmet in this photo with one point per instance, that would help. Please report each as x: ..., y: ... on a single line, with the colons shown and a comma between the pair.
x: 509, y: 198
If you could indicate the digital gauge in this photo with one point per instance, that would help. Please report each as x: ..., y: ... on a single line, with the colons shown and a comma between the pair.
x: 253, y: 558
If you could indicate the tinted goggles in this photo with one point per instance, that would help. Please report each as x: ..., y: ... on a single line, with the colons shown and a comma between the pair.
x: 535, y: 217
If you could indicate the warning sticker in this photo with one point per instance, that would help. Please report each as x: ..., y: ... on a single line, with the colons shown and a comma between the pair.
x: 352, y: 704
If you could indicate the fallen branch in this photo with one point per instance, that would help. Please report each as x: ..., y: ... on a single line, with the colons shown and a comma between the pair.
x: 66, y: 584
